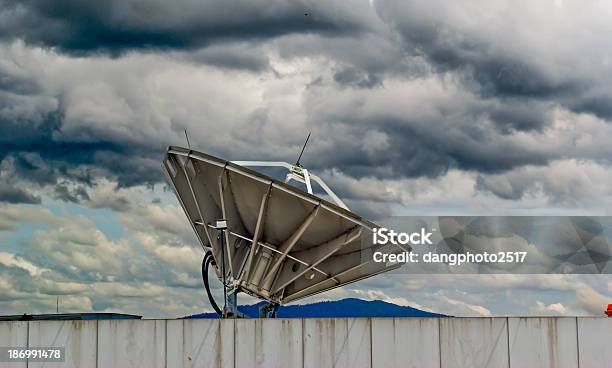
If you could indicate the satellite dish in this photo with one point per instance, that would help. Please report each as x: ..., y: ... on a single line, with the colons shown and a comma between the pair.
x: 278, y: 243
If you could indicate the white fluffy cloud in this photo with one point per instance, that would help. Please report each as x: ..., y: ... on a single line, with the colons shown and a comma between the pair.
x: 152, y: 269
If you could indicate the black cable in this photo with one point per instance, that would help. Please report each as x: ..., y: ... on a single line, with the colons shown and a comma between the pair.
x: 208, y: 259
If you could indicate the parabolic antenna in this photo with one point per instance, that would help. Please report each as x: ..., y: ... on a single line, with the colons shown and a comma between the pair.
x: 281, y: 243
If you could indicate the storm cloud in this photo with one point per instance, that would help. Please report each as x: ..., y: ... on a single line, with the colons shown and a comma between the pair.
x: 415, y: 107
x: 78, y: 26
x: 389, y: 89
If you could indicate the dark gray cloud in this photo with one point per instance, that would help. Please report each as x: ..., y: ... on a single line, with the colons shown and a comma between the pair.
x: 503, y: 189
x: 67, y: 194
x: 239, y: 56
x: 427, y: 140
x: 512, y: 115
x: 516, y: 52
x: 113, y: 26
x: 11, y: 194
x: 31, y: 141
x: 48, y: 162
x: 354, y: 77
x: 598, y: 103
x: 568, y: 183
x: 390, y: 89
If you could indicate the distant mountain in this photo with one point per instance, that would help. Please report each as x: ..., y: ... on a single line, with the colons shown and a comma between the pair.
x: 349, y: 307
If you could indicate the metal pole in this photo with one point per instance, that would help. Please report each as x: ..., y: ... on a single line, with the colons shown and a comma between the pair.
x: 222, y: 234
x: 221, y: 226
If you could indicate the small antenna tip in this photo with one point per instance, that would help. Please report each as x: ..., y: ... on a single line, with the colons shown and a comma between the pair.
x: 187, y: 137
x: 297, y: 163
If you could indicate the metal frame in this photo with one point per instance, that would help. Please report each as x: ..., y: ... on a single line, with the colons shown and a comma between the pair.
x: 299, y: 174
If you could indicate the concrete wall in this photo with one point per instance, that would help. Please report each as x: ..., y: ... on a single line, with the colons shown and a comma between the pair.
x: 342, y: 342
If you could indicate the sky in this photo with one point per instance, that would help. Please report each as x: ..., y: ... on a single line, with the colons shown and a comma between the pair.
x: 415, y: 107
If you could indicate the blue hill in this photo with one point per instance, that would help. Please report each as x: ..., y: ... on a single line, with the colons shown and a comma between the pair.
x: 349, y: 307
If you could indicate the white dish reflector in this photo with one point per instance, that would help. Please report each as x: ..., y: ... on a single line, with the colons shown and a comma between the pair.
x: 281, y: 243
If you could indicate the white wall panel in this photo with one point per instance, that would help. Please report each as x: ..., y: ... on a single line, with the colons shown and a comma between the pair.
x: 79, y: 339
x: 405, y: 342
x: 473, y: 342
x: 268, y: 343
x: 200, y: 343
x: 13, y: 334
x: 594, y: 342
x: 337, y: 342
x: 131, y: 343
x: 543, y: 342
